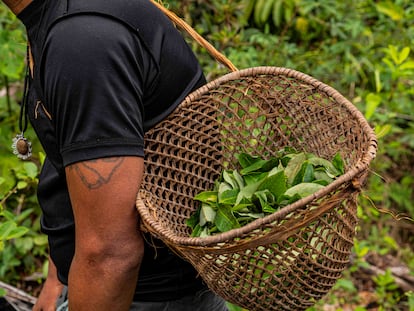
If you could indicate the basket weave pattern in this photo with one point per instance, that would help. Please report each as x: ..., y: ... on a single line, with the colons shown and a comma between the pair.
x: 287, y: 260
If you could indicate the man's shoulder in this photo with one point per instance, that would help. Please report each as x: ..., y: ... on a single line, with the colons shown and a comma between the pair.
x: 140, y: 14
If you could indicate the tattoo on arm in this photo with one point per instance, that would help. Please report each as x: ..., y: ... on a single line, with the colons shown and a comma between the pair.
x: 96, y: 173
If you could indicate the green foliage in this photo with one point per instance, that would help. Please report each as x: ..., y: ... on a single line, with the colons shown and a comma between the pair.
x: 259, y: 188
x: 12, y: 45
x: 22, y: 247
x: 410, y: 296
x: 23, y: 244
x: 386, y: 290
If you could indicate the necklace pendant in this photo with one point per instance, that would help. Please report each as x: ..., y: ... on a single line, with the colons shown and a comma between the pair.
x: 22, y: 147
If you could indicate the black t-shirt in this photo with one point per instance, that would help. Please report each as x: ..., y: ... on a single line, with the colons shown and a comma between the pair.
x: 100, y: 82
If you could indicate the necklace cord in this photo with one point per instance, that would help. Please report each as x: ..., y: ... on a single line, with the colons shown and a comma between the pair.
x: 24, y: 104
x: 23, y: 118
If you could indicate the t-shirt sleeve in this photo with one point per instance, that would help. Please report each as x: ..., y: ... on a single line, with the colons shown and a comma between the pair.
x: 94, y: 79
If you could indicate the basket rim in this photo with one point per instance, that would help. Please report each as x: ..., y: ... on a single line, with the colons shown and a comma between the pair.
x: 353, y: 173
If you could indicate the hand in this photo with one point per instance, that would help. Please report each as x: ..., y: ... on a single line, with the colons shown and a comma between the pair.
x: 48, y: 296
x: 52, y: 288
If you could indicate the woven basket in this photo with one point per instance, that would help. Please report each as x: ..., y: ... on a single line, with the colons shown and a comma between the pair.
x: 287, y: 260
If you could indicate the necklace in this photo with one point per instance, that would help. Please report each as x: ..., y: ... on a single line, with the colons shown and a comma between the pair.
x: 21, y: 146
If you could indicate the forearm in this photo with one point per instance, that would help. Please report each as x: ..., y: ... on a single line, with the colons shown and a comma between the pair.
x: 51, y: 290
x: 108, y: 246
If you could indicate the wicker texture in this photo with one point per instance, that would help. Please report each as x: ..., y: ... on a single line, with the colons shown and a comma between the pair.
x: 287, y: 260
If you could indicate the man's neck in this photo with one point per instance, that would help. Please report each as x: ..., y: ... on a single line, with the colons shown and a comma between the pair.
x: 16, y: 6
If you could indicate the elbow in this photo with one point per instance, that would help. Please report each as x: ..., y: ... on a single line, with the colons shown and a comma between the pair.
x: 122, y: 258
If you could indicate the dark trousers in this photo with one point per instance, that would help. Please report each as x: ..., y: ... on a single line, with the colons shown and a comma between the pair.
x: 203, y: 300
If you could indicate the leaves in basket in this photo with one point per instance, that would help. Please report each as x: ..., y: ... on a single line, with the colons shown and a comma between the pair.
x: 261, y: 187
x: 339, y: 164
x: 225, y: 219
x: 207, y: 214
x: 303, y: 189
x: 276, y: 183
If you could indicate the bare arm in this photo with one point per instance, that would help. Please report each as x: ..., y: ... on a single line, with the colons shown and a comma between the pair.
x: 109, y: 246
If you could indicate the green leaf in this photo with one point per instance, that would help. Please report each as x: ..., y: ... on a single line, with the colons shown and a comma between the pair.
x: 321, y: 162
x: 254, y: 178
x: 228, y: 178
x: 207, y: 196
x: 382, y: 130
x: 228, y: 197
x: 308, y: 175
x: 285, y: 200
x: 268, y: 209
x: 22, y: 184
x: 242, y: 207
x: 5, y: 229
x: 256, y: 166
x: 246, y: 160
x: 270, y: 164
x: 204, y: 233
x: 24, y: 245
x: 276, y: 184
x: 196, y: 231
x: 40, y: 240
x: 393, y: 52
x: 338, y: 163
x: 252, y: 215
x: 225, y: 220
x: 372, y: 102
x: 378, y: 82
x: 8, y: 215
x: 223, y: 186
x: 305, y: 174
x: 321, y: 182
x: 407, y: 65
x: 239, y: 179
x: 265, y: 197
x: 207, y: 214
x: 293, y: 166
x: 348, y: 285
x: 194, y: 219
x: 247, y: 191
x: 394, y: 11
x: 23, y: 215
x: 10, y: 230
x: 275, y: 170
x: 321, y: 175
x: 265, y: 194
x: 405, y: 52
x: 31, y: 169
x: 303, y: 189
x: 251, y: 164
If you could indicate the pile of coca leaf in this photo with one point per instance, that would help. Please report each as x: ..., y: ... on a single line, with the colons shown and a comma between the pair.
x: 259, y: 188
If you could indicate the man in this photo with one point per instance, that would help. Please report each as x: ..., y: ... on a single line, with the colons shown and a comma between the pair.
x: 104, y: 72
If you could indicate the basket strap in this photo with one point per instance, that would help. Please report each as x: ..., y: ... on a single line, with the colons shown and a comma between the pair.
x: 198, y: 38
